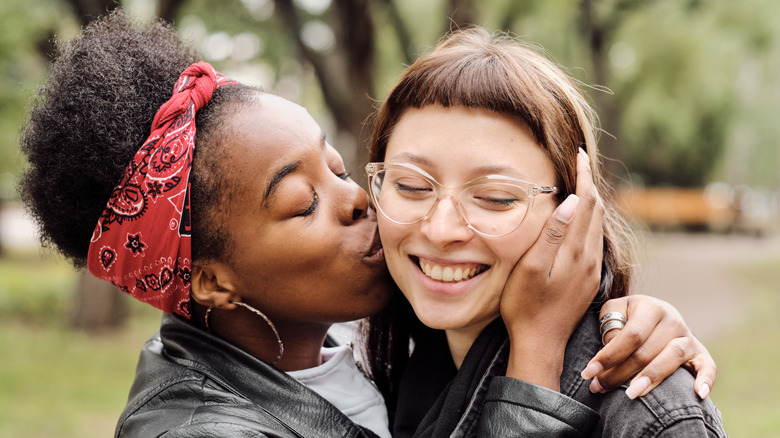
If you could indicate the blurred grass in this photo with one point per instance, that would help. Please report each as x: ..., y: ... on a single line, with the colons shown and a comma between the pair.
x: 56, y: 382
x: 748, y: 358
x: 34, y: 286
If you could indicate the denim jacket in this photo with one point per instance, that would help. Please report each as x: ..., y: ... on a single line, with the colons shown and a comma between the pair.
x: 480, y: 402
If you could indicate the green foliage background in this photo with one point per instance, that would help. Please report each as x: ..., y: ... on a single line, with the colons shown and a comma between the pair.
x: 694, y: 83
x: 25, y: 24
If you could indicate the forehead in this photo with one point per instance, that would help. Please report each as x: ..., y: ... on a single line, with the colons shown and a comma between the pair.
x: 465, y: 142
x: 270, y: 131
x: 276, y: 120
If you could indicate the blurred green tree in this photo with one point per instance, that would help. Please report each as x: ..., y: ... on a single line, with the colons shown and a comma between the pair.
x: 679, y: 72
x: 687, y: 91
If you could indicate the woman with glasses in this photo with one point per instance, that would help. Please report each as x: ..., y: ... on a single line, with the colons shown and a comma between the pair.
x: 487, y: 177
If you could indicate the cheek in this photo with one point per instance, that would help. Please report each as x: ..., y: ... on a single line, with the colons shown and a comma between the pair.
x: 391, y: 235
x: 284, y: 256
x: 512, y: 247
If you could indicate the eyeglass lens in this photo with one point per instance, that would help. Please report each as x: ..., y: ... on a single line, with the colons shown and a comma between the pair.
x: 492, y: 208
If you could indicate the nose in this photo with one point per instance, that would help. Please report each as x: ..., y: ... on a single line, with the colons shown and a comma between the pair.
x: 444, y: 225
x: 354, y: 203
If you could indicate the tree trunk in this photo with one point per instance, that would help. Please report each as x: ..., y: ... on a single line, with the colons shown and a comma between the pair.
x: 606, y: 106
x: 345, y: 73
x: 167, y: 9
x: 98, y: 305
x: 596, y: 30
x: 461, y: 13
x: 88, y: 10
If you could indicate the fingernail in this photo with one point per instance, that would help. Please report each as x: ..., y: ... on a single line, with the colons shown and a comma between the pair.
x: 584, y: 154
x: 592, y: 370
x: 704, y: 391
x: 595, y: 386
x: 637, y: 387
x: 565, y: 211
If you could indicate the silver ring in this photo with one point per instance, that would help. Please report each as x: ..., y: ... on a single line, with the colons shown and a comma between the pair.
x: 612, y: 316
x: 608, y: 326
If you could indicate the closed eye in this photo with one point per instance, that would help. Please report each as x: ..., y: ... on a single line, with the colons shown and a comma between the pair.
x: 405, y: 188
x: 498, y: 201
x: 312, y: 208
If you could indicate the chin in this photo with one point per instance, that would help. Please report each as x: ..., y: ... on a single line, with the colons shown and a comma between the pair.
x: 440, y: 318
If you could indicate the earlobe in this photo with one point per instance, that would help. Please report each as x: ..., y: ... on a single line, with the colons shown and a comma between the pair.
x: 212, y: 286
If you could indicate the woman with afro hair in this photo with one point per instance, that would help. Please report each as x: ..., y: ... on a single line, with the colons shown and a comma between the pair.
x: 267, y: 211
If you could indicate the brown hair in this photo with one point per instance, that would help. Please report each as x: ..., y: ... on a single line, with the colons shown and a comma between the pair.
x: 476, y: 69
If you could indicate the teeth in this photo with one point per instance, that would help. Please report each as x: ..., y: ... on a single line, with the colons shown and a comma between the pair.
x: 448, y: 274
x: 436, y: 272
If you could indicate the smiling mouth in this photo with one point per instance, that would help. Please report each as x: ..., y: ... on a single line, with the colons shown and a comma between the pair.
x: 449, y: 273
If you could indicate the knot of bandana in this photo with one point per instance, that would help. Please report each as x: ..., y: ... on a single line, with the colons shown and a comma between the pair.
x: 142, y: 241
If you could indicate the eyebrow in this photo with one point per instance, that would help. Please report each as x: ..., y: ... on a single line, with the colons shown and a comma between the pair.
x: 482, y: 170
x: 277, y: 177
x: 412, y: 158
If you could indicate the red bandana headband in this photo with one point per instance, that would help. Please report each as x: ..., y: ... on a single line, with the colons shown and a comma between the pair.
x: 142, y: 241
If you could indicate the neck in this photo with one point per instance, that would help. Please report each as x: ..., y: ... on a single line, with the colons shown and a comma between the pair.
x: 460, y: 340
x: 249, y: 332
x: 302, y: 345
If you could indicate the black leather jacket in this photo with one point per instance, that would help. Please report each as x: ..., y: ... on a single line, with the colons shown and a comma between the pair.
x: 478, y: 401
x: 190, y: 383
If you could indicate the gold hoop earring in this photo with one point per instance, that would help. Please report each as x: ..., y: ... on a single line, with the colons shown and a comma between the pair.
x: 270, y: 324
x: 208, y: 329
x: 262, y: 315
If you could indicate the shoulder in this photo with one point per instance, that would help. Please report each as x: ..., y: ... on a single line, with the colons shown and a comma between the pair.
x: 177, y: 400
x: 201, y: 420
x: 671, y: 409
x: 516, y: 407
x: 189, y: 383
x: 168, y: 397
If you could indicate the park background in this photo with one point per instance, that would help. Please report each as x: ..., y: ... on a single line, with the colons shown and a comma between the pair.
x: 688, y: 92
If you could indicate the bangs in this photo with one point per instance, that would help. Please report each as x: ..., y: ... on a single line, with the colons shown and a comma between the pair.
x: 480, y: 80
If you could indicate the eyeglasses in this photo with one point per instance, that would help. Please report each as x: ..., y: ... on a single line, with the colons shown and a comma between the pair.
x: 492, y: 205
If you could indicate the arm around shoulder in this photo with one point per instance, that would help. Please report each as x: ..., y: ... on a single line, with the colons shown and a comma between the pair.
x: 671, y: 410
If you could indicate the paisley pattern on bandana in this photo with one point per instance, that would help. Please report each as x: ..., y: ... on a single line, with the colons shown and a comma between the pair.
x: 142, y: 241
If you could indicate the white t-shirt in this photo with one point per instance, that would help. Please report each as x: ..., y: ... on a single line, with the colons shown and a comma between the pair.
x: 339, y: 381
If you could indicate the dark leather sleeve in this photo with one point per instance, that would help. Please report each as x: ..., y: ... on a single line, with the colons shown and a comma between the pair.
x: 516, y: 408
x: 214, y: 430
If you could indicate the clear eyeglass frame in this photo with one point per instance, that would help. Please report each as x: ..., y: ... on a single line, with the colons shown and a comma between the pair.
x: 376, y: 168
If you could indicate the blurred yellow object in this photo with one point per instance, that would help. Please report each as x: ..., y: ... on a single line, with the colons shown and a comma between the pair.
x: 678, y: 207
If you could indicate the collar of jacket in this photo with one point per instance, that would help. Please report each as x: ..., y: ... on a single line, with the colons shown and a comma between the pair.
x: 270, y: 389
x: 456, y: 400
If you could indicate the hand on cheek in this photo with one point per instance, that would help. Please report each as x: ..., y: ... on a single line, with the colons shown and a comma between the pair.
x: 553, y: 284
